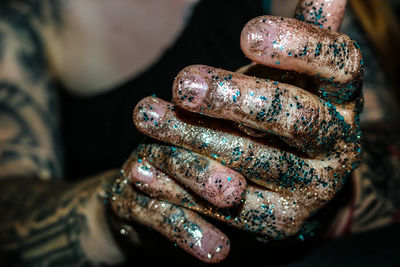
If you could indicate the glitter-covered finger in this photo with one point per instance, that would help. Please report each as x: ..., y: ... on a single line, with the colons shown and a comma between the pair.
x: 184, y: 227
x: 257, y: 160
x: 300, y: 118
x: 264, y: 212
x: 157, y: 184
x: 219, y: 185
x: 326, y: 14
x: 290, y: 44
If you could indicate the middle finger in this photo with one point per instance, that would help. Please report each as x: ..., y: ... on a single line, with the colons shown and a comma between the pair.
x: 298, y: 117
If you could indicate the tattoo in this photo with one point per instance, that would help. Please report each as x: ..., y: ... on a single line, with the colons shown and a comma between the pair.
x: 42, y: 223
x: 45, y: 11
x: 46, y: 222
x: 21, y: 16
x: 1, y: 47
x: 24, y: 143
x: 28, y: 103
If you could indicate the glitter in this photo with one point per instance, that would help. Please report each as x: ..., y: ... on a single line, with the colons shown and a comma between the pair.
x: 284, y: 170
x: 229, y: 178
x: 194, y: 231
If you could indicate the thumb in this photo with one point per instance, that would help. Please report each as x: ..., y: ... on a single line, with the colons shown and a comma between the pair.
x: 327, y: 14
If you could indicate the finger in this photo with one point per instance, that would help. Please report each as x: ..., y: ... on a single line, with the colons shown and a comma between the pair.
x: 187, y: 229
x: 262, y: 212
x: 328, y: 15
x: 158, y: 184
x: 300, y: 118
x: 257, y: 160
x: 219, y: 185
x: 290, y: 44
x: 325, y: 14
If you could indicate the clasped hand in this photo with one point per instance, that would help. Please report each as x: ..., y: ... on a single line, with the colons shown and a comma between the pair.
x: 259, y: 153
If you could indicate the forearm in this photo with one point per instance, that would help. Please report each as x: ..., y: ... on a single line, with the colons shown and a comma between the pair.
x: 42, y: 223
x: 49, y: 222
x: 30, y: 132
x: 29, y: 122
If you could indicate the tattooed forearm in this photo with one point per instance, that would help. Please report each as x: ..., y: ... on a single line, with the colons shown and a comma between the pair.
x: 48, y: 223
x: 30, y: 134
x: 1, y: 47
x: 26, y: 18
x: 45, y: 11
x: 41, y: 223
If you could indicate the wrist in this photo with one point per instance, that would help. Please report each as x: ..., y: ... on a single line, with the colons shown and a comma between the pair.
x: 98, y: 242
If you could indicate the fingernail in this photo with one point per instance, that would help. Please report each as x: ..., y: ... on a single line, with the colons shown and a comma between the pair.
x: 225, y: 188
x: 148, y: 114
x: 259, y: 38
x: 202, y: 240
x: 190, y: 86
x: 142, y: 172
x: 214, y: 245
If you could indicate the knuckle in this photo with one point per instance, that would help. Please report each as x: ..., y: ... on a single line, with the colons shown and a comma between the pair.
x: 292, y: 222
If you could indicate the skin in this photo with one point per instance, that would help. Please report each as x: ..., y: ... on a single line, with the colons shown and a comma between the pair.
x: 299, y: 147
x: 45, y: 221
x: 184, y: 227
x: 102, y: 43
x: 43, y: 43
x: 222, y: 187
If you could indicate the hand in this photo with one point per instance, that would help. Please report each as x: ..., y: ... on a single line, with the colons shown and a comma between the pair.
x: 296, y: 146
x: 182, y: 226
